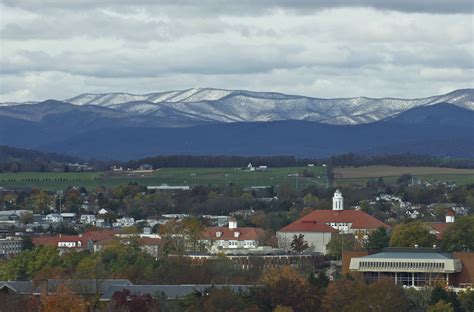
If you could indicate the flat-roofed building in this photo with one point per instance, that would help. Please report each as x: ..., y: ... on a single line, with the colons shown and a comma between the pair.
x: 416, y: 267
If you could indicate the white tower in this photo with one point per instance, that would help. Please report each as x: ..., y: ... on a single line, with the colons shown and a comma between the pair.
x: 232, y: 223
x: 338, y: 201
x: 450, y: 216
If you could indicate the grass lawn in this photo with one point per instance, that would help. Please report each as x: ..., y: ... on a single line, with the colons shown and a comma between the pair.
x: 170, y: 176
x: 360, y: 175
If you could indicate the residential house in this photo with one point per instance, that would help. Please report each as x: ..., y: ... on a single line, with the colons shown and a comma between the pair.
x: 53, y: 218
x: 88, y: 219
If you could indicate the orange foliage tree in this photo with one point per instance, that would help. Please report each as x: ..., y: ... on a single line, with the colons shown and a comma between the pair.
x: 64, y: 300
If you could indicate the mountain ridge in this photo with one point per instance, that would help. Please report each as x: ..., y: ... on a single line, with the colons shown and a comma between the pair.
x: 211, y: 105
x: 439, y: 130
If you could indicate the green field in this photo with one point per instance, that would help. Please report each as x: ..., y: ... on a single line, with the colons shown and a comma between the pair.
x: 358, y: 176
x: 170, y: 176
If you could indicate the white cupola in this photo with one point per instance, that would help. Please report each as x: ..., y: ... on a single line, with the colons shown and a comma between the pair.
x: 232, y: 223
x: 337, y: 201
x: 450, y: 216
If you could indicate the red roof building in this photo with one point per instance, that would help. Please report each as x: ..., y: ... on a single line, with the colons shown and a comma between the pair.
x: 74, y: 242
x: 233, y: 237
x: 438, y: 228
x: 318, y: 226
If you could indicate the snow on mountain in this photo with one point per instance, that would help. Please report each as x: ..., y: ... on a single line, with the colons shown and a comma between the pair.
x: 219, y: 105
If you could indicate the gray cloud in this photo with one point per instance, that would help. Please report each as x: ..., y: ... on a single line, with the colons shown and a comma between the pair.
x: 319, y: 48
x: 255, y: 7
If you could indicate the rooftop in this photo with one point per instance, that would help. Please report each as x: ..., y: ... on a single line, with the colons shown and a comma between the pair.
x: 412, y: 253
x: 359, y: 219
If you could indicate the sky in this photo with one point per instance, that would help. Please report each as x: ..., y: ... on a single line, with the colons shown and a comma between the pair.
x: 376, y: 48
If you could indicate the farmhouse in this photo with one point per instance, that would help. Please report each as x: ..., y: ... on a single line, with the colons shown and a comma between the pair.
x: 318, y: 226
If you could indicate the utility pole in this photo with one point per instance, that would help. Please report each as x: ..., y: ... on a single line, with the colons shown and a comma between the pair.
x: 60, y: 194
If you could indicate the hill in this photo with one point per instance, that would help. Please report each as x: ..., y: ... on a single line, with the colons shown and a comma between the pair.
x: 441, y: 130
x: 206, y: 105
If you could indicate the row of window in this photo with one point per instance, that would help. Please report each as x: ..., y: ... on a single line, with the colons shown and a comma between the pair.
x: 235, y: 243
x: 401, y: 265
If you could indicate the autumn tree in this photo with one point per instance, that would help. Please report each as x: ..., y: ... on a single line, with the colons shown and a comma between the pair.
x: 340, y: 242
x: 298, y: 244
x: 410, y: 234
x: 355, y: 296
x: 340, y: 294
x: 441, y: 306
x: 310, y: 200
x: 192, y: 230
x: 378, y: 239
x: 382, y: 295
x: 287, y: 288
x: 418, y: 299
x: 26, y: 217
x: 223, y: 299
x: 124, y: 300
x: 467, y: 299
x: 63, y: 300
x: 459, y: 236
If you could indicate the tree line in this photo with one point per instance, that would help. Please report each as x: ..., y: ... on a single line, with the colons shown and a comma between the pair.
x: 22, y: 160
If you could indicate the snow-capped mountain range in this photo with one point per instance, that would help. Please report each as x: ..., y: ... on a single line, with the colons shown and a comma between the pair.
x: 219, y: 105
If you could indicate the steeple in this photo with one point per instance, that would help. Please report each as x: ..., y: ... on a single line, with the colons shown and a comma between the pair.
x: 337, y: 201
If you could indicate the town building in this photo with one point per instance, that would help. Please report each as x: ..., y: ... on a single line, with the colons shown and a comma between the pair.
x: 88, y: 219
x: 413, y: 267
x: 232, y: 237
x: 10, y: 246
x: 53, y: 218
x: 12, y: 217
x: 151, y: 244
x: 316, y: 234
x: 79, y: 242
x: 166, y: 187
x: 318, y: 226
x: 438, y: 228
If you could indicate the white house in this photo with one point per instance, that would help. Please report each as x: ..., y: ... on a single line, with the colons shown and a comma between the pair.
x: 233, y: 237
x: 53, y: 218
x: 88, y: 219
x: 123, y: 222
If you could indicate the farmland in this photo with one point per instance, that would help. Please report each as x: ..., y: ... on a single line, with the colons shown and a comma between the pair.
x: 170, y: 176
x: 390, y: 174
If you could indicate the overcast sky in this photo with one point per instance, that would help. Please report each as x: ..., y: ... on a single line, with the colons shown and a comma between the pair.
x: 387, y: 48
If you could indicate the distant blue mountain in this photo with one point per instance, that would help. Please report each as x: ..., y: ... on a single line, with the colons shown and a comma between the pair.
x: 440, y: 129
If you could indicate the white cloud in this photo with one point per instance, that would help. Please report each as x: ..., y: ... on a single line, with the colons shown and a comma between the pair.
x: 63, y: 49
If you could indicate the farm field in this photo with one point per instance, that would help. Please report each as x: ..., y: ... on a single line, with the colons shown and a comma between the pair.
x: 170, y: 176
x: 390, y: 174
